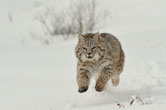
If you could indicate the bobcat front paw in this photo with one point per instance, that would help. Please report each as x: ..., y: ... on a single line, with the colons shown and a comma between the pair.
x: 99, y: 88
x: 83, y: 89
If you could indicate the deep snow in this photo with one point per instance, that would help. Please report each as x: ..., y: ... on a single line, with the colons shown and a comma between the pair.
x: 42, y: 77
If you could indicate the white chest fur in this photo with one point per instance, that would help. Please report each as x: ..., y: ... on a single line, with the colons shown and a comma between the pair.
x: 95, y: 70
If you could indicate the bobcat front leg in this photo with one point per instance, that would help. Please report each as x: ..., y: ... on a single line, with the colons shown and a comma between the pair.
x: 104, y: 76
x: 83, y: 80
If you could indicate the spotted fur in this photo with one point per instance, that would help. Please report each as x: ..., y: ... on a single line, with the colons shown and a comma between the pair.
x: 99, y: 55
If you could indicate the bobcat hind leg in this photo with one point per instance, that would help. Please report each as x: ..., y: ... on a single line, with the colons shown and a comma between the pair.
x: 115, y: 80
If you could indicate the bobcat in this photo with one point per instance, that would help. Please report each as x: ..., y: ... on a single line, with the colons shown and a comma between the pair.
x: 99, y: 54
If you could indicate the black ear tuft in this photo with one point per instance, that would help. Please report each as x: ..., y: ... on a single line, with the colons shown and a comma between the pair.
x: 97, y: 36
x: 80, y: 36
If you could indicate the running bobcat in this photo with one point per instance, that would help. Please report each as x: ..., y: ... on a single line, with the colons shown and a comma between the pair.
x: 99, y: 54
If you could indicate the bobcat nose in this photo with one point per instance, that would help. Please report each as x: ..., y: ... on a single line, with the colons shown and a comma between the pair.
x: 89, y: 52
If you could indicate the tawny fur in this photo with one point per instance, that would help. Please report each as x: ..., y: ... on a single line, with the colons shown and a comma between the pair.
x: 99, y: 54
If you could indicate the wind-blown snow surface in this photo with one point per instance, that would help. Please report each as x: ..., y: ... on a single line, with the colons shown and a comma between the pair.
x: 40, y: 77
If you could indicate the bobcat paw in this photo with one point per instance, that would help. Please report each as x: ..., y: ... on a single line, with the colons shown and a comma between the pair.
x: 99, y: 88
x: 115, y: 80
x: 83, y: 89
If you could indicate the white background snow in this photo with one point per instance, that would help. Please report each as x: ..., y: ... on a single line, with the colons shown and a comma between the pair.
x: 34, y: 76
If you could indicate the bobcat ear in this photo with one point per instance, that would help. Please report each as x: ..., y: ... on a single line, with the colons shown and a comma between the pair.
x: 97, y: 36
x: 80, y: 36
x: 97, y: 33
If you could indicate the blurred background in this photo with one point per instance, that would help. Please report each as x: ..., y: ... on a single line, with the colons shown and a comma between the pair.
x: 38, y: 63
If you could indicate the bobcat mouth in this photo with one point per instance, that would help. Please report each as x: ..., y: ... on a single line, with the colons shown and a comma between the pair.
x: 89, y: 57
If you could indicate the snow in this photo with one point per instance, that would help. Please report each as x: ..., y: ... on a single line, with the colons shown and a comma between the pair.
x: 34, y: 76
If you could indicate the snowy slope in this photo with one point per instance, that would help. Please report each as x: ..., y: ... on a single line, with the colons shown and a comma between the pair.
x: 39, y: 77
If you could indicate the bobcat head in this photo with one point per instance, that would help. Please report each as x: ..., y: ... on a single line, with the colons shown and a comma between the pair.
x: 90, y: 47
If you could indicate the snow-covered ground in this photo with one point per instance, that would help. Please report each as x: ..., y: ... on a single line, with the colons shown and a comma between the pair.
x: 43, y: 77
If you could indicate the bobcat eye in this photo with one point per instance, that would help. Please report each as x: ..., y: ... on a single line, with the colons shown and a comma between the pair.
x: 84, y: 48
x: 93, y: 48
